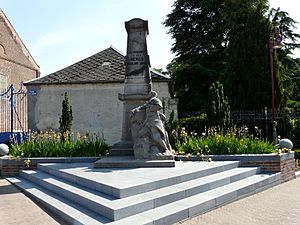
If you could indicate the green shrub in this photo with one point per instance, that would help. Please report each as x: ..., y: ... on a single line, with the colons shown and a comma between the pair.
x: 49, y: 144
x: 297, y: 154
x: 219, y: 110
x: 171, y: 127
x: 195, y: 124
x: 294, y: 106
x: 295, y: 131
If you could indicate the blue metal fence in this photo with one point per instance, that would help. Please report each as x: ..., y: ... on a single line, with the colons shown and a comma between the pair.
x: 13, y: 113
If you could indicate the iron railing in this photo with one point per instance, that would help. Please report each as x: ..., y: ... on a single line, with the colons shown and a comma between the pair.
x: 13, y: 110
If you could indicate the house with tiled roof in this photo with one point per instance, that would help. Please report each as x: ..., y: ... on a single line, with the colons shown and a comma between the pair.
x: 93, y: 85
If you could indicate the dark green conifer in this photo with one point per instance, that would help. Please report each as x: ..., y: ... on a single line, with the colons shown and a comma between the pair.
x: 66, y: 118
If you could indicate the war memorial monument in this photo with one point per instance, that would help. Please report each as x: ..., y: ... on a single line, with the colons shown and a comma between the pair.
x: 144, y: 141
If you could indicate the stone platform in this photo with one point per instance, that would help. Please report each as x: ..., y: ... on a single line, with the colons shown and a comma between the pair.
x: 130, y: 162
x: 78, y: 193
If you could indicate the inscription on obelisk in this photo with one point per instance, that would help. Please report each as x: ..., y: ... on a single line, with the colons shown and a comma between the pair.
x: 137, y: 80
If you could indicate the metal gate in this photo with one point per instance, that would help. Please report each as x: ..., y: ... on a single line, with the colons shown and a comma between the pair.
x: 13, y: 110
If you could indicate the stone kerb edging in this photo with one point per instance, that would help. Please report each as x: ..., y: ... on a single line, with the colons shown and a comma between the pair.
x: 269, y: 163
x: 284, y: 163
x: 12, y: 166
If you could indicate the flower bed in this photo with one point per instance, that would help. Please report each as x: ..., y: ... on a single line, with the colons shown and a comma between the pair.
x: 216, y: 142
x: 50, y: 144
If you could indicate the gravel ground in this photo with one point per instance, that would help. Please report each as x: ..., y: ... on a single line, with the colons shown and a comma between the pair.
x: 279, y: 205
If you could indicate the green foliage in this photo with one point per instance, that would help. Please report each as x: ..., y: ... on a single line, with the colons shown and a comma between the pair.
x: 191, y: 85
x: 49, y: 144
x: 235, y: 141
x: 219, y: 111
x: 247, y: 78
x: 297, y: 154
x: 196, y: 27
x: 65, y: 121
x: 171, y: 127
x: 227, y: 41
x: 295, y: 131
x: 194, y: 124
x: 286, y: 69
x: 287, y: 26
x: 291, y: 82
x: 294, y: 106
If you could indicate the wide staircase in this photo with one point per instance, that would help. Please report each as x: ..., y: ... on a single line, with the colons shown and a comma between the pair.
x: 77, y: 193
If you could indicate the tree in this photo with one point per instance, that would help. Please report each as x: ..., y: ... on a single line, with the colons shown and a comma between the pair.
x: 247, y: 78
x: 65, y: 121
x: 227, y: 41
x: 196, y: 27
x: 286, y: 68
x: 291, y: 83
x: 191, y: 85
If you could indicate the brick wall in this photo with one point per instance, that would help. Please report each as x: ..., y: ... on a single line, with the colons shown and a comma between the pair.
x: 268, y: 163
x: 12, y: 166
x: 13, y: 170
x: 286, y: 167
x: 16, y: 65
x: 15, y: 60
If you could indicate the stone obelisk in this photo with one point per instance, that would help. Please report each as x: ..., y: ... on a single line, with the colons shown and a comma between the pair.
x: 137, y: 81
x: 139, y: 146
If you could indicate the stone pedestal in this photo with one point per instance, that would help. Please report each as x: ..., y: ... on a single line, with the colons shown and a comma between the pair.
x: 137, y: 81
x: 142, y: 127
x: 131, y: 162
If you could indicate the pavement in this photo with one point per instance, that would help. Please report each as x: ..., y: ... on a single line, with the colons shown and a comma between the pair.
x: 279, y: 205
x: 17, y: 209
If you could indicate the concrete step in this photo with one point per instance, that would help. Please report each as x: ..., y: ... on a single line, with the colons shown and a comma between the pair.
x: 203, y: 202
x: 116, y: 209
x: 67, y: 211
x: 121, y: 185
x: 88, y: 198
x: 188, y: 189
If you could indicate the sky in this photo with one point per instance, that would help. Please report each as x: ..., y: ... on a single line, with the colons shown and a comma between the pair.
x: 59, y: 33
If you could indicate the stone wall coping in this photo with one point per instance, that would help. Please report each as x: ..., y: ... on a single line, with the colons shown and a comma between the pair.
x: 245, y: 157
x: 4, y: 160
x: 33, y: 161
